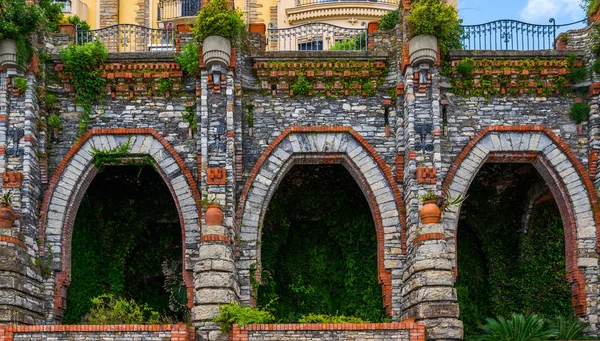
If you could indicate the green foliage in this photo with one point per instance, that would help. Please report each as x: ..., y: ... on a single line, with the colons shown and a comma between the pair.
x: 18, y: 19
x: 50, y: 100
x: 83, y: 62
x: 54, y: 121
x: 189, y: 59
x: 320, y: 318
x: 576, y: 74
x: 580, y: 111
x: 108, y: 309
x: 358, y: 42
x: 115, y: 155
x: 465, y: 67
x: 230, y: 314
x: 165, y: 85
x: 126, y: 233
x: 389, y: 20
x: 429, y: 196
x: 438, y: 19
x: 568, y: 328
x: 319, y: 249
x: 20, y: 83
x: 217, y: 19
x: 301, y: 87
x: 590, y: 6
x: 76, y: 20
x: 596, y: 66
x: 516, y: 328
x: 189, y: 116
x: 596, y: 38
x: 502, y: 270
x: 6, y: 199
x: 52, y: 12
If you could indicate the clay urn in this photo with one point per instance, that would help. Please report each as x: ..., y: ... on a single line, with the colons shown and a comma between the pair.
x: 214, y: 215
x: 7, y: 216
x: 430, y: 213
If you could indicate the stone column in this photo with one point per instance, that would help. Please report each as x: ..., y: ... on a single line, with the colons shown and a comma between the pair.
x: 109, y: 13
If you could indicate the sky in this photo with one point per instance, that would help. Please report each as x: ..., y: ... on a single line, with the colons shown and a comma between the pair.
x: 531, y: 11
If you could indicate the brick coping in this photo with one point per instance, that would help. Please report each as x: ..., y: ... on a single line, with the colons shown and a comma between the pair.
x: 97, y: 328
x: 332, y: 326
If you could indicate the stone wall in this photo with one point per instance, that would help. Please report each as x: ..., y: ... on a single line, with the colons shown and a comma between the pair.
x: 406, y: 331
x: 177, y: 332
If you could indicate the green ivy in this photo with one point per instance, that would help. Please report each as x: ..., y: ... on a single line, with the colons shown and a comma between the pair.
x: 126, y: 233
x: 83, y: 62
x: 389, y: 20
x: 319, y: 249
x: 301, y: 87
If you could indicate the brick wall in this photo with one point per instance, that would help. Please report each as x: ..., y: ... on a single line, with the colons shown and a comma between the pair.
x: 177, y: 332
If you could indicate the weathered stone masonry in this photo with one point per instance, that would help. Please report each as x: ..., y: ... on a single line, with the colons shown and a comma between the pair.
x: 251, y: 131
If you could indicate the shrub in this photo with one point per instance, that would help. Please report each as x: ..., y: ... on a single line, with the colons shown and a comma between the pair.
x: 217, y: 19
x: 465, y: 67
x: 189, y: 59
x: 18, y: 19
x: 301, y: 86
x: 52, y: 12
x: 321, y: 318
x: 50, y: 100
x: 75, y: 20
x: 108, y: 309
x: 54, y: 121
x: 20, y: 83
x: 580, y: 111
x: 389, y: 20
x: 358, y: 42
x: 516, y: 328
x: 438, y: 19
x: 596, y: 66
x: 165, y: 85
x: 568, y: 328
x: 234, y: 313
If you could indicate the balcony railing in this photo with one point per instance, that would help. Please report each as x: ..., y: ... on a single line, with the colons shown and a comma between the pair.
x: 130, y: 38
x: 173, y: 9
x: 511, y: 35
x: 316, y: 37
x: 312, y: 2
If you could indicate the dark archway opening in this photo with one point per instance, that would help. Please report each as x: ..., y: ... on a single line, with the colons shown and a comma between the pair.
x: 510, y: 248
x: 319, y: 248
x: 127, y: 242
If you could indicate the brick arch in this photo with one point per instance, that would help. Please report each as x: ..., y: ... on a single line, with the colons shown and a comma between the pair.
x: 325, y: 145
x: 565, y: 176
x: 75, y: 173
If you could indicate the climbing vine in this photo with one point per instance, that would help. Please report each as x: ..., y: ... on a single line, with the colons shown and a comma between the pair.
x: 319, y: 249
x: 118, y: 155
x: 82, y: 63
x: 503, y: 268
x: 127, y: 242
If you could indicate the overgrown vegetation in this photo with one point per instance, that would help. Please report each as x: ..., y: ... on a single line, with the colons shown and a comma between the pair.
x: 356, y: 43
x: 75, y: 20
x: 321, y: 318
x: 501, y: 267
x: 83, y: 62
x: 18, y: 20
x: 127, y: 242
x: 217, y: 19
x: 301, y: 87
x: 230, y: 314
x: 20, y: 84
x: 319, y: 250
x: 190, y: 117
x: 389, y: 20
x: 436, y: 18
x: 189, y: 59
x: 108, y: 309
x: 580, y: 111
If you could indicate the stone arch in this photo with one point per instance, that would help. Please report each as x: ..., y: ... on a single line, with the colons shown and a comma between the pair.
x: 326, y: 145
x: 75, y: 173
x: 564, y: 174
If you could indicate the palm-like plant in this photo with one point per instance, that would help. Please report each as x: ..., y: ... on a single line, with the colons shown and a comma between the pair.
x: 568, y: 328
x: 516, y: 328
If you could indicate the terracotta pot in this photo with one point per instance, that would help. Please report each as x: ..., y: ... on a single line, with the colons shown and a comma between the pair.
x: 214, y: 216
x: 7, y: 217
x: 579, y: 129
x: 430, y: 213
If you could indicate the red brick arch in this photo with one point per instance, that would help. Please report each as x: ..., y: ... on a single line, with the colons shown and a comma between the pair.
x: 86, y: 172
x: 518, y: 152
x: 332, y: 157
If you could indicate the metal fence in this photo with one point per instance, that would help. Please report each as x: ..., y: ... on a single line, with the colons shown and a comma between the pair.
x: 311, y: 2
x: 316, y: 37
x: 130, y: 38
x: 172, y: 9
x: 511, y: 35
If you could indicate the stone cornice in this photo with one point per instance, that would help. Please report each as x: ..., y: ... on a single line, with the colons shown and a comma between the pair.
x: 366, y: 10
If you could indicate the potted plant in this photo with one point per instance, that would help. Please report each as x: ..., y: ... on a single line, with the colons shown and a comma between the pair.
x: 20, y: 85
x: 214, y: 212
x: 580, y: 111
x: 434, y: 205
x: 54, y: 123
x: 17, y: 20
x: 7, y: 215
x: 431, y: 22
x: 216, y: 27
